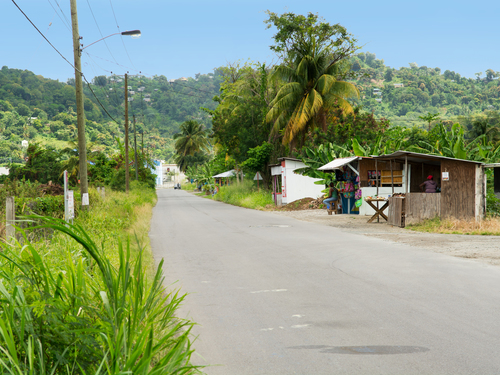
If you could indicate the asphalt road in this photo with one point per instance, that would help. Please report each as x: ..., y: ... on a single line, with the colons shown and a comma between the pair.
x: 274, y: 295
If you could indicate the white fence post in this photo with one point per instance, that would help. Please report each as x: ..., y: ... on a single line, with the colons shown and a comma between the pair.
x: 10, y: 216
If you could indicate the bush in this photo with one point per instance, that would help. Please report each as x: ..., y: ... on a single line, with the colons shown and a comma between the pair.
x: 68, y: 310
x: 244, y: 194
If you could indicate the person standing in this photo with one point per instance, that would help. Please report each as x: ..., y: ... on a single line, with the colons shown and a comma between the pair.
x: 331, y: 200
x: 429, y: 186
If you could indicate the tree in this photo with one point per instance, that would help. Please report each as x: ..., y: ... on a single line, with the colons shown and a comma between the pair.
x: 429, y: 117
x: 191, y: 139
x: 312, y: 53
x: 389, y: 74
x: 299, y: 36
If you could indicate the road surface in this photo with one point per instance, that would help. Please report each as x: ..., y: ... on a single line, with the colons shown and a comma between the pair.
x: 274, y: 295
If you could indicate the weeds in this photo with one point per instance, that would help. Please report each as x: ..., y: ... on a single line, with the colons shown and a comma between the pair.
x: 488, y: 226
x: 244, y: 195
x: 73, y: 312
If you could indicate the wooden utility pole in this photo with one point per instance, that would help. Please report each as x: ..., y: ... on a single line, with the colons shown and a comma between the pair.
x: 126, y: 135
x: 135, y: 154
x: 80, y: 110
x: 142, y: 142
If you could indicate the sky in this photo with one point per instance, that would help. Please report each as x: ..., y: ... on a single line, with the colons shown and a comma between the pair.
x: 184, y: 37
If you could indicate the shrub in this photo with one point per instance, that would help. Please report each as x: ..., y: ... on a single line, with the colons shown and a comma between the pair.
x: 69, y: 311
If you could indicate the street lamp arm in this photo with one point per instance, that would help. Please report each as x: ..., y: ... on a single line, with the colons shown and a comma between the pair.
x: 136, y: 33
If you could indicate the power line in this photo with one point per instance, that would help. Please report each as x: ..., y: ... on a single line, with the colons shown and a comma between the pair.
x: 98, y: 28
x: 121, y: 36
x: 64, y: 15
x: 56, y: 12
x: 44, y: 37
x: 192, y: 88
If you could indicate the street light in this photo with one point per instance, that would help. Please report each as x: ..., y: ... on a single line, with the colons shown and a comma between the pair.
x: 80, y: 111
x: 133, y: 33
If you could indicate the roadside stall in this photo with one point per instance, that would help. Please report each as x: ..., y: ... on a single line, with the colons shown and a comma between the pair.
x: 460, y: 193
x: 366, y: 183
x: 289, y: 186
x: 222, y: 179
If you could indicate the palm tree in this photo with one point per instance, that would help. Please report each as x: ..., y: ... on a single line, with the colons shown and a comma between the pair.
x: 312, y: 89
x: 191, y: 139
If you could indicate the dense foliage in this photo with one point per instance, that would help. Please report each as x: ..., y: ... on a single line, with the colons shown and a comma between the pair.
x: 44, y: 110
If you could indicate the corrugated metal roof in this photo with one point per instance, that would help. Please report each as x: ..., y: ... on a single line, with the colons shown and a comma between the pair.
x: 337, y: 163
x: 415, y: 156
x: 230, y: 173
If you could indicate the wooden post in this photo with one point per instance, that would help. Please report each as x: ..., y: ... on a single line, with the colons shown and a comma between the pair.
x: 392, y: 179
x: 10, y: 216
x: 126, y: 136
x: 406, y: 174
x: 376, y: 175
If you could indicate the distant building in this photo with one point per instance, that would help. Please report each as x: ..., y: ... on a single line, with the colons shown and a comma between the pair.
x: 183, y: 79
x: 147, y: 99
x: 131, y: 92
x: 141, y: 88
x: 398, y: 85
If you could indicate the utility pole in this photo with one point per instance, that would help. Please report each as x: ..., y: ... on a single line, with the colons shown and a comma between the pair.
x: 142, y: 142
x: 135, y: 154
x: 126, y: 135
x: 80, y: 111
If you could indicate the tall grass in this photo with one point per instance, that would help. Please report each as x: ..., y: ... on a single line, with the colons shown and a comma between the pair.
x: 244, y: 194
x: 89, y: 301
x: 488, y: 226
x: 82, y: 315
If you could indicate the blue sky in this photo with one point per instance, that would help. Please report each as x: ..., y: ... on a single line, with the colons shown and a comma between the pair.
x: 182, y: 38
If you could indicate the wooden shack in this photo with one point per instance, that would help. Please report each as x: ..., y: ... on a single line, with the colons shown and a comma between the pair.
x: 376, y: 178
x: 462, y: 188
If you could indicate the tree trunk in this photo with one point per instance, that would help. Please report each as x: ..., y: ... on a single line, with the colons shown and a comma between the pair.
x: 322, y: 120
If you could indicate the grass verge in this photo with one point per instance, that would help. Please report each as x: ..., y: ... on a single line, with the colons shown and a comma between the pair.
x: 79, y: 301
x: 486, y: 227
x: 245, y: 195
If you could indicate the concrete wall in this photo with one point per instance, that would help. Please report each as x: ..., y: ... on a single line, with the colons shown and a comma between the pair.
x: 296, y: 186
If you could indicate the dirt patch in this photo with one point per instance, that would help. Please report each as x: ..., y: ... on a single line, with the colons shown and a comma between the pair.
x: 299, y: 205
x: 475, y: 247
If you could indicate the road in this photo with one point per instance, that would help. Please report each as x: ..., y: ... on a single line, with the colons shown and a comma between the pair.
x: 275, y: 295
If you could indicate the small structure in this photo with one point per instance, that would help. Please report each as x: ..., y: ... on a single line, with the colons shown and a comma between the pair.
x: 222, y: 179
x: 398, y: 85
x: 462, y: 187
x: 288, y: 186
x: 369, y: 178
x: 172, y: 175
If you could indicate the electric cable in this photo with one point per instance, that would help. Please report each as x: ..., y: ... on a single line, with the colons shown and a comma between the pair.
x: 121, y: 36
x: 56, y: 12
x: 98, y: 28
x: 44, y: 37
x: 64, y: 15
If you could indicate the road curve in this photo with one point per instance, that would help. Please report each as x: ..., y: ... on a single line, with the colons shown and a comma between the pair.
x: 274, y: 295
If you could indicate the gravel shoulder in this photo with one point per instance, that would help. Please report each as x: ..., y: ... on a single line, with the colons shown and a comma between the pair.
x: 477, y: 248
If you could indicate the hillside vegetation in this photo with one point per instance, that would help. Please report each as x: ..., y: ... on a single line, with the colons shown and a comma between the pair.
x: 402, y: 95
x: 43, y: 110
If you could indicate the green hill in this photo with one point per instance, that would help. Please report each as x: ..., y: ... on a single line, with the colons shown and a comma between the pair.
x: 39, y: 109
x: 401, y: 95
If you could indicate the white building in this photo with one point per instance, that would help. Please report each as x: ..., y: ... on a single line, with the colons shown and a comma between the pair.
x: 289, y: 186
